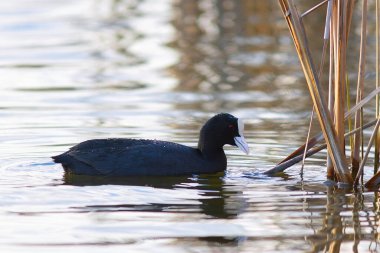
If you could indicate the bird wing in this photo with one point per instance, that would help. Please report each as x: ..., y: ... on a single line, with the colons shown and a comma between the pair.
x: 137, y: 159
x: 105, y: 160
x: 110, y: 143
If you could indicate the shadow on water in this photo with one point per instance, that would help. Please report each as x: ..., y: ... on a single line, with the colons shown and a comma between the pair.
x: 217, y: 199
x: 156, y: 182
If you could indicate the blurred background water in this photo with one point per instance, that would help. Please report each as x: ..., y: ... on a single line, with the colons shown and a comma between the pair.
x: 75, y: 70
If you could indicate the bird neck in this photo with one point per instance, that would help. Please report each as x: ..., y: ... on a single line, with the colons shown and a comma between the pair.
x: 209, y: 147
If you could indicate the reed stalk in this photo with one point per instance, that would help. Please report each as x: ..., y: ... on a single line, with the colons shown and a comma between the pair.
x: 339, y: 42
x: 297, y: 158
x: 314, y: 8
x: 370, y: 143
x: 338, y: 23
x: 321, y: 65
x: 333, y: 142
x: 349, y: 121
x: 329, y: 165
x: 374, y: 182
x: 319, y: 137
x: 355, y: 158
x: 307, y: 140
x: 377, y: 140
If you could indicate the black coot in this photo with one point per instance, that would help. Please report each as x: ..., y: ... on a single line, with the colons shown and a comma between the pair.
x: 130, y: 157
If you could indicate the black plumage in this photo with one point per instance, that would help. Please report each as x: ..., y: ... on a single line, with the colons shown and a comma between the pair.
x: 131, y: 157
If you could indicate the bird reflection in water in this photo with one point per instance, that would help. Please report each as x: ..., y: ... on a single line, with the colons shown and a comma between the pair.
x: 217, y: 198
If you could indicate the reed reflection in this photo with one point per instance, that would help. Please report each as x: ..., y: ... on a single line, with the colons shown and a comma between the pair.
x: 343, y: 220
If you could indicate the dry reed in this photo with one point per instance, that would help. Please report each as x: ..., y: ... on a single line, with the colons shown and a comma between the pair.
x: 331, y: 115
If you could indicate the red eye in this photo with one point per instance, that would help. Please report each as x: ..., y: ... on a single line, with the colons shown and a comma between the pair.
x: 231, y: 126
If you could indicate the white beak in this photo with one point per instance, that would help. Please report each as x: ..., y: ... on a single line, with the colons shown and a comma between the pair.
x: 242, y: 144
x: 239, y: 140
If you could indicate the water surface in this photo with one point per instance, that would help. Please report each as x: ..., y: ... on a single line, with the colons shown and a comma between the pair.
x: 75, y: 70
